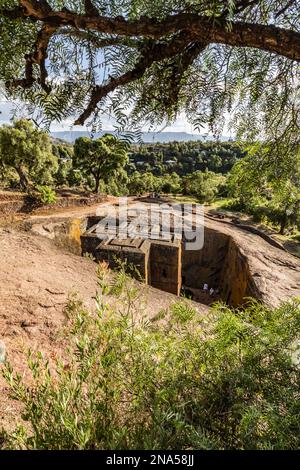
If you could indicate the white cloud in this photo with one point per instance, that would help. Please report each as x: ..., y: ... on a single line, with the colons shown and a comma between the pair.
x: 7, y: 109
x: 181, y: 125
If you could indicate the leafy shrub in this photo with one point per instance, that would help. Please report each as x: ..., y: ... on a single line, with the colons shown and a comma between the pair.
x: 45, y: 195
x: 204, y: 186
x: 226, y: 380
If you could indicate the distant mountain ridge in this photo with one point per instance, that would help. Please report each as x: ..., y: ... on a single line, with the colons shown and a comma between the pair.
x: 147, y: 137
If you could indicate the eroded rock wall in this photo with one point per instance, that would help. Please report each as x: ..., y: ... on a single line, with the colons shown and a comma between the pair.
x: 222, y: 265
x: 237, y: 282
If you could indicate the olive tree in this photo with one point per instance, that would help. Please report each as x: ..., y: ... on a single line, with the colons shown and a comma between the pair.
x: 28, y: 151
x: 100, y: 158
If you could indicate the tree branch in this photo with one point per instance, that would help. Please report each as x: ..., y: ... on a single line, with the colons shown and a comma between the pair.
x: 267, y: 38
x: 243, y: 4
x: 239, y: 7
x: 38, y: 57
x: 152, y: 53
x: 13, y: 14
x: 242, y: 34
x: 285, y: 8
x: 37, y: 9
x: 190, y: 33
x: 181, y: 65
x: 100, y: 42
x: 90, y: 9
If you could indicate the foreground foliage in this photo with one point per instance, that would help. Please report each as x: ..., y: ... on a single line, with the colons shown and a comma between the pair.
x: 226, y: 380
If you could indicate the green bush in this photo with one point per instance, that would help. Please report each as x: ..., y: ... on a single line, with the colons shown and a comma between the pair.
x: 45, y: 195
x: 228, y: 379
x: 204, y: 186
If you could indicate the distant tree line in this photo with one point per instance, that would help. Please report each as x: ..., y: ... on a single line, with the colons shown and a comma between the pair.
x: 30, y: 158
x: 262, y: 180
x: 184, y: 158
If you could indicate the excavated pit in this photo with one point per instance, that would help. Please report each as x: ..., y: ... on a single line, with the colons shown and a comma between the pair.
x: 235, y: 262
x: 169, y: 266
x: 221, y: 265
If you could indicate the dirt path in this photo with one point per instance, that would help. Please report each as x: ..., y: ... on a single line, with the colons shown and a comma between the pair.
x: 83, y: 211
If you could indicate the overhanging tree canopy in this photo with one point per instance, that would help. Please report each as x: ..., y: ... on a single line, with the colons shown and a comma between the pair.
x: 155, y: 58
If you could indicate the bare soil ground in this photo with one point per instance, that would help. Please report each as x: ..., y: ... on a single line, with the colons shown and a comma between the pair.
x: 15, y: 202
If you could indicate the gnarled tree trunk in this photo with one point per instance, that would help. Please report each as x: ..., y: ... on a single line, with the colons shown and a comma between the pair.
x: 24, y: 182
